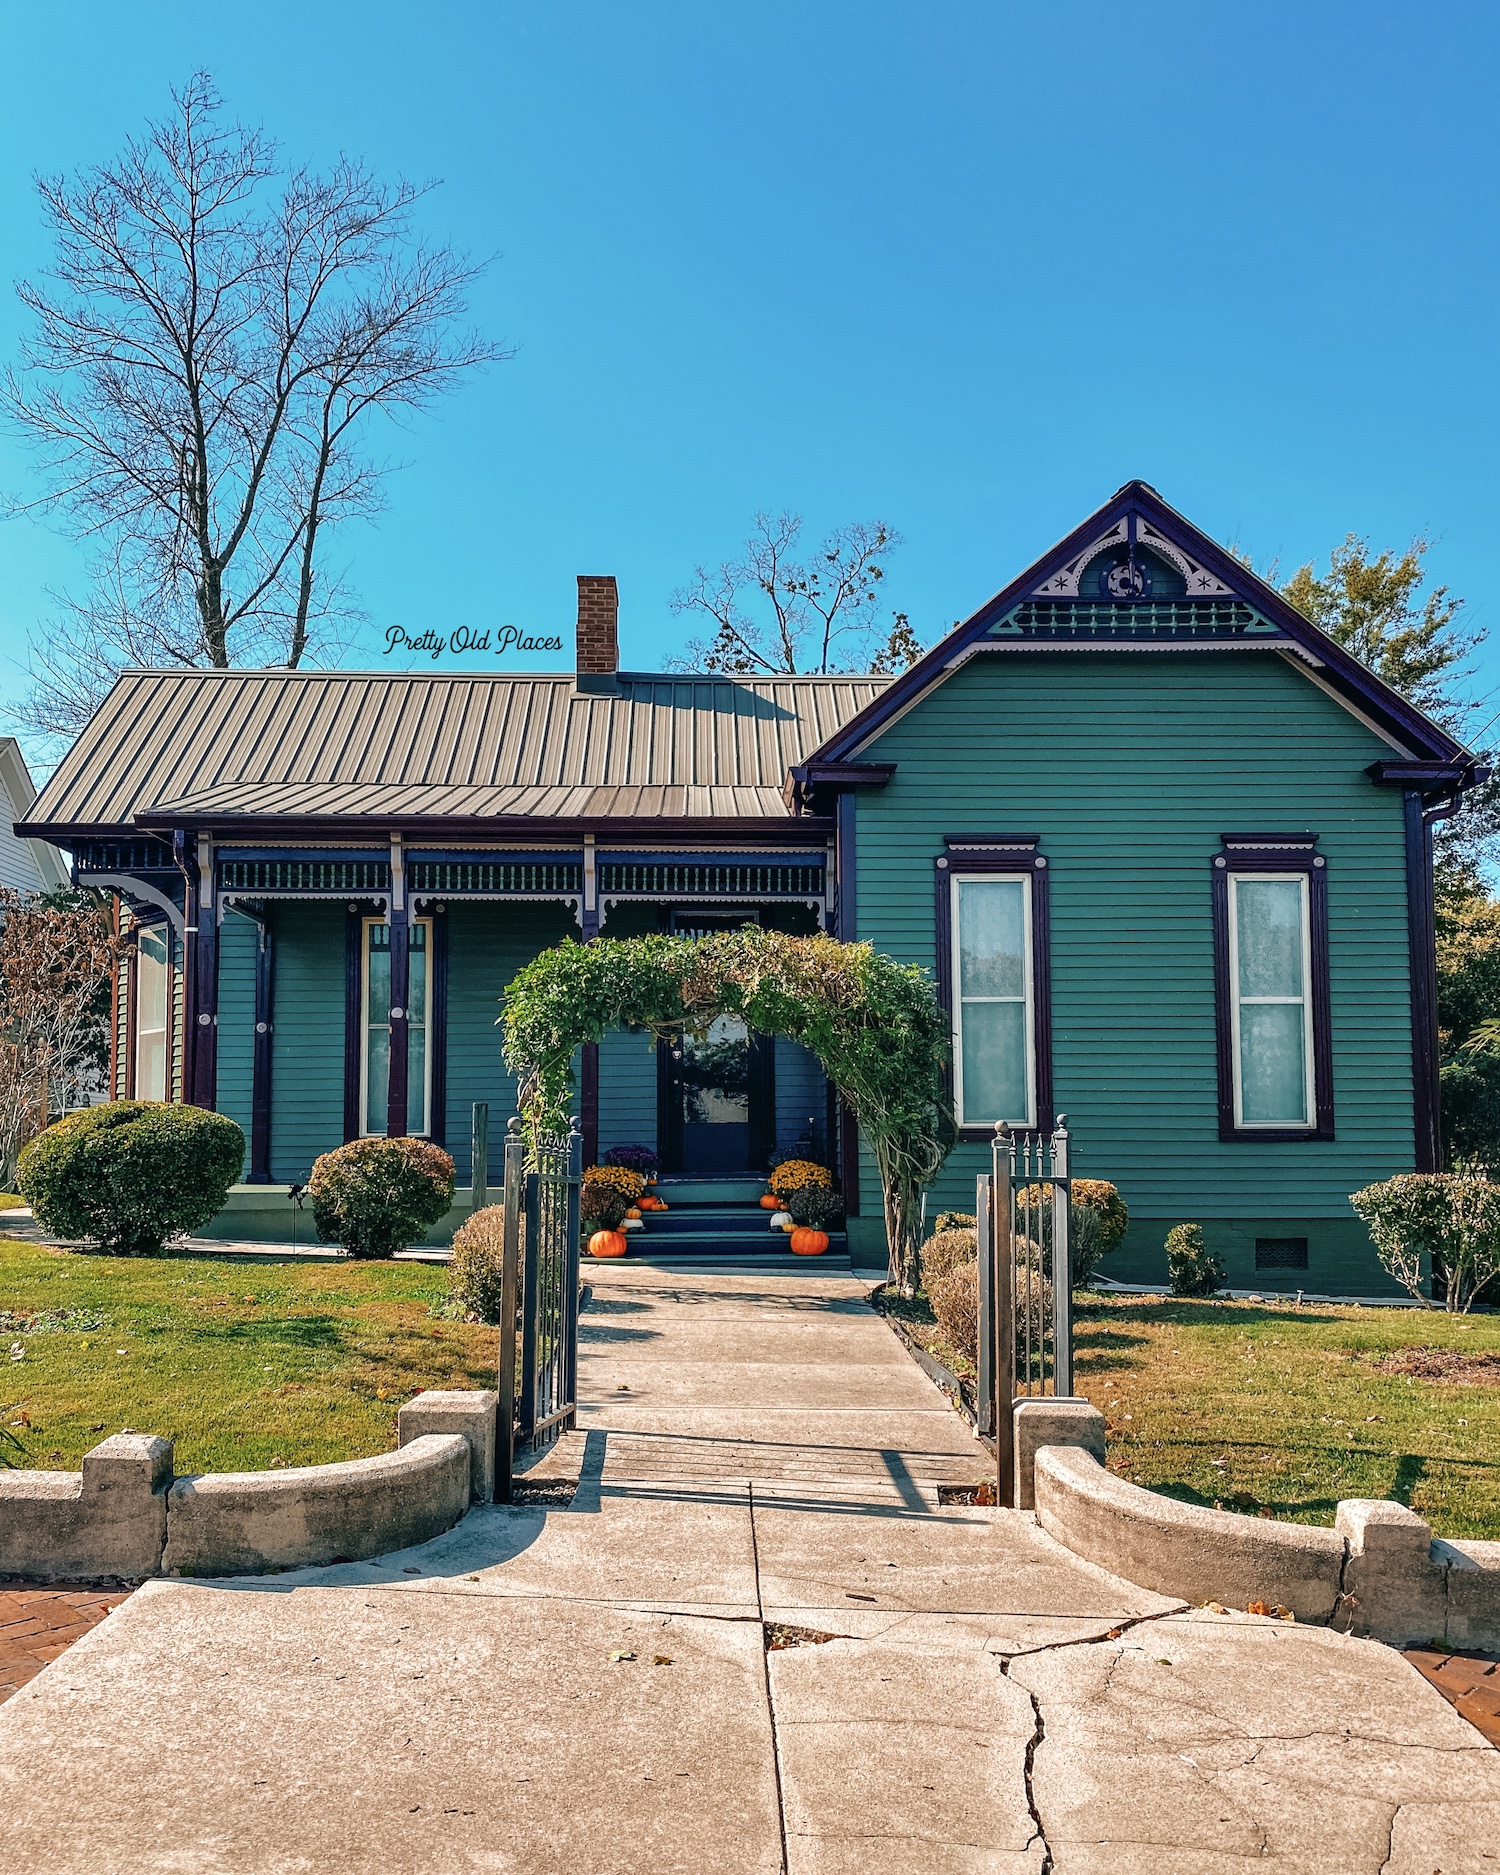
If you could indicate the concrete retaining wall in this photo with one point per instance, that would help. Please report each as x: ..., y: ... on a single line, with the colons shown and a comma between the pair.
x: 241, y: 1522
x: 1377, y: 1572
x: 124, y: 1516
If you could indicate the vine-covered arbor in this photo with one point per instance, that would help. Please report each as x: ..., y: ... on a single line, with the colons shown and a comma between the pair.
x: 874, y: 1025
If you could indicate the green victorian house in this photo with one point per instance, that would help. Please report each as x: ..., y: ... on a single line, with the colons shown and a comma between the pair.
x: 1165, y: 849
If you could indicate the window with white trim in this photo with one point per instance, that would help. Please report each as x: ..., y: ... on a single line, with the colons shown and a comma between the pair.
x: 1271, y: 1015
x: 994, y: 1041
x: 153, y: 978
x: 375, y: 1008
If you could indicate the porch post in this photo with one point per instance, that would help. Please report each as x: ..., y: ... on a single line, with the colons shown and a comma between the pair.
x: 260, y: 1072
x: 588, y: 1067
x: 395, y: 1121
x: 202, y: 1037
x: 846, y: 928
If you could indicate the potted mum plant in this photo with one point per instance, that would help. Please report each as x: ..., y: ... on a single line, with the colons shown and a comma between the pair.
x: 813, y: 1209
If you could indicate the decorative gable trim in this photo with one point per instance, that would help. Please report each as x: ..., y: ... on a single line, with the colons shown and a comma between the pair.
x: 1127, y: 533
x: 1350, y: 682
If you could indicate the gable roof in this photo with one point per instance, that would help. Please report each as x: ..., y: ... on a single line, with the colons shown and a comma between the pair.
x: 402, y: 746
x: 1137, y: 514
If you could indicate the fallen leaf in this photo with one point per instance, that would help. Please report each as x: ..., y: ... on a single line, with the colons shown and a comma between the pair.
x: 1216, y: 1608
x: 1258, y: 1608
x: 661, y: 1660
x: 382, y: 1393
x: 622, y: 1654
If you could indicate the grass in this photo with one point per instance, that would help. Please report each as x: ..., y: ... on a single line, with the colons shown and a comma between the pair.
x: 244, y: 1365
x: 1280, y: 1411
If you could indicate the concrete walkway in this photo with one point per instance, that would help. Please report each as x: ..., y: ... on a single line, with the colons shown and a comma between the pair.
x: 755, y: 1641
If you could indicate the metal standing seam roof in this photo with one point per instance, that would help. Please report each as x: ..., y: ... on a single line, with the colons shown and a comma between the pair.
x: 223, y: 745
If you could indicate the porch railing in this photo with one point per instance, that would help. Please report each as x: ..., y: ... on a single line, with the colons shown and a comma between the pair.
x: 538, y: 1377
x: 1022, y: 1210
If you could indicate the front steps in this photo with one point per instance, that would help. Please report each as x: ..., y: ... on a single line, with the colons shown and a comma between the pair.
x: 719, y: 1224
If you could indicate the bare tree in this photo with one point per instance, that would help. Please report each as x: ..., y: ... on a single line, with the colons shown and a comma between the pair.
x: 772, y: 611
x: 57, y: 961
x: 209, y: 344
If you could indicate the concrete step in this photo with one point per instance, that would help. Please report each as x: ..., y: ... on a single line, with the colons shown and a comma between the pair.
x: 831, y: 1263
x: 710, y: 1190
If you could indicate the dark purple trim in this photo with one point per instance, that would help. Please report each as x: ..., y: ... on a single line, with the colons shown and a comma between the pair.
x: 260, y: 1059
x: 846, y: 871
x: 1346, y: 674
x: 1428, y: 777
x: 1427, y: 1134
x: 354, y: 930
x: 810, y: 784
x: 1273, y: 852
x: 442, y: 831
x: 437, y: 1027
x: 1001, y: 853
x: 588, y: 1101
x: 395, y: 1110
x: 190, y: 1004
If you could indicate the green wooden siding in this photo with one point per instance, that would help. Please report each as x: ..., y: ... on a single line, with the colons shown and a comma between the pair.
x: 800, y: 1094
x: 307, y: 1046
x: 1130, y: 768
x: 487, y: 944
x: 236, y: 1025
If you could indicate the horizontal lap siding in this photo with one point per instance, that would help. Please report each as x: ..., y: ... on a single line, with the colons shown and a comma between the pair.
x: 236, y: 1024
x: 1130, y: 767
x: 801, y: 1096
x: 487, y: 944
x: 307, y: 1045
x: 627, y: 1089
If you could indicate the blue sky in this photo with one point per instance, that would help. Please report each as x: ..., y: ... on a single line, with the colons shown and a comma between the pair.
x: 965, y: 267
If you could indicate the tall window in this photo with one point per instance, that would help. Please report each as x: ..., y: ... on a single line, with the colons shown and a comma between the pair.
x: 1274, y: 1023
x: 1270, y: 973
x: 152, y: 1000
x: 994, y: 1042
x: 375, y: 1065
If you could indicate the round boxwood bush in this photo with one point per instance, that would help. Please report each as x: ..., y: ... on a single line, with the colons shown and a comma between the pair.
x: 375, y: 1196
x: 1192, y: 1267
x: 131, y: 1173
x: 476, y: 1269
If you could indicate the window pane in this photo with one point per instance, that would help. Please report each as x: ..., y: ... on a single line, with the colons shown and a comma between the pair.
x: 151, y: 1066
x: 1269, y: 936
x: 1273, y: 1064
x: 992, y: 938
x: 416, y: 982
x: 994, y: 1063
x: 378, y: 1008
x: 416, y: 1080
x: 151, y: 993
x: 377, y: 1078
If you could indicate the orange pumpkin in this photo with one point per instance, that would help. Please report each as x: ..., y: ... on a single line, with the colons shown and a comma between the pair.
x: 809, y: 1243
x: 635, y: 1212
x: 607, y: 1243
x: 769, y: 1201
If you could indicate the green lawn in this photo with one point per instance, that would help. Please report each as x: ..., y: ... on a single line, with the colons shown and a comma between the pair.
x: 1276, y: 1410
x: 244, y: 1364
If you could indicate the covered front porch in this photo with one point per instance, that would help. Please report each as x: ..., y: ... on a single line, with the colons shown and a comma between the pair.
x: 319, y: 992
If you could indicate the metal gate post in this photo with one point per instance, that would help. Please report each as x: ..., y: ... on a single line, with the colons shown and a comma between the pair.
x: 1002, y: 1264
x: 505, y: 1409
x: 1062, y: 1265
x: 985, y: 1402
x: 570, y: 1272
x: 531, y: 1270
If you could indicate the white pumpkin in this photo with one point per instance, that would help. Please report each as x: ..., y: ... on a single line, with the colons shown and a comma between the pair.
x: 781, y: 1220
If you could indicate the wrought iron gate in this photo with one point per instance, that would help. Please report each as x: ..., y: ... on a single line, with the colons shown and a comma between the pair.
x: 1022, y: 1212
x: 538, y: 1380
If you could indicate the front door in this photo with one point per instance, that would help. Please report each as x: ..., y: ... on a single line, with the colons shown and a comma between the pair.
x: 717, y: 1089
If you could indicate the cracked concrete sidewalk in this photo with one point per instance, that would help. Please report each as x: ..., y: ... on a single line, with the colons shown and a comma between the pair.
x: 591, y: 1688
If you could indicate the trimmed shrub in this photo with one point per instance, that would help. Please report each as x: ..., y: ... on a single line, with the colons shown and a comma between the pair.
x: 954, y: 1299
x: 1192, y: 1267
x: 954, y: 1220
x: 131, y: 1174
x: 947, y: 1250
x: 640, y: 1159
x: 814, y: 1207
x: 1097, y: 1221
x: 1450, y: 1217
x: 476, y: 1269
x: 374, y: 1196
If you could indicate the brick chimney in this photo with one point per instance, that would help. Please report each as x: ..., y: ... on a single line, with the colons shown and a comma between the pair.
x: 598, y: 631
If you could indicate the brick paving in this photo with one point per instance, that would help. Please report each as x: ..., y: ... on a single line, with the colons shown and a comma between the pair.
x: 1471, y: 1682
x: 37, y: 1624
